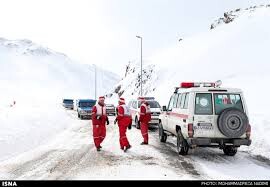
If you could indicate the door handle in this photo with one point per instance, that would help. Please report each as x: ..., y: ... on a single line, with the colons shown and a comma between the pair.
x: 184, y: 120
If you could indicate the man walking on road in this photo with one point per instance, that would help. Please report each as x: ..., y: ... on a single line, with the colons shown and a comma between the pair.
x: 124, y: 122
x: 99, y: 119
x: 145, y: 117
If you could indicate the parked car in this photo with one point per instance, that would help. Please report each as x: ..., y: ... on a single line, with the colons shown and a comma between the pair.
x: 206, y: 115
x: 84, y: 107
x: 155, y: 108
x: 110, y: 109
x: 68, y: 103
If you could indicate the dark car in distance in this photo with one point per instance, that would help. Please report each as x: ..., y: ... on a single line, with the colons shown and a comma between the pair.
x: 68, y: 103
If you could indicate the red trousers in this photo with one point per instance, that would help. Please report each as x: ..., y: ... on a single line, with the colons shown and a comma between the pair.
x: 99, y: 133
x: 123, y: 138
x: 144, y: 131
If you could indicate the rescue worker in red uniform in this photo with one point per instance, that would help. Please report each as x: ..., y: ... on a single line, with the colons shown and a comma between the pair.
x: 145, y: 118
x: 124, y: 121
x: 99, y: 119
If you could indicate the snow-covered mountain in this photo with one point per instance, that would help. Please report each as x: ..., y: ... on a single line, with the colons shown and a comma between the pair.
x: 37, y: 79
x: 236, y: 53
x: 31, y: 71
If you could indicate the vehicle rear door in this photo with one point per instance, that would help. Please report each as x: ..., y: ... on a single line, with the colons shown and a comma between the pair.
x: 204, y: 120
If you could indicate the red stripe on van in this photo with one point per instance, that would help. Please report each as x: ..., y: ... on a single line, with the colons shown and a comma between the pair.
x: 183, y: 116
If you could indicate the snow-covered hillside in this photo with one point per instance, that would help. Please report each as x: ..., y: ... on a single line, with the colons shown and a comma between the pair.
x: 37, y: 79
x: 229, y: 17
x: 131, y: 84
x: 236, y: 53
x: 27, y: 66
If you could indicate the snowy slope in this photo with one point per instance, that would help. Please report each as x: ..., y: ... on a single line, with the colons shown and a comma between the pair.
x: 229, y: 17
x: 38, y: 78
x: 28, y: 66
x: 236, y: 53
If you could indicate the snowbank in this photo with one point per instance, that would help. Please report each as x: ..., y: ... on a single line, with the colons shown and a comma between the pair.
x: 37, y: 79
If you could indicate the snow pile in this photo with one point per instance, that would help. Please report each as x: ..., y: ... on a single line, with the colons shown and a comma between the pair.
x: 236, y: 53
x: 37, y: 79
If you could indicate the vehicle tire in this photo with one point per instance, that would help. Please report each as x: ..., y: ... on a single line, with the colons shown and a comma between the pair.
x: 232, y: 123
x: 230, y: 150
x: 182, y: 145
x: 161, y: 133
x: 79, y: 116
x: 137, y: 124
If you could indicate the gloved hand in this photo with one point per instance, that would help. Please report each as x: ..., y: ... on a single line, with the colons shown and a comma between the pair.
x: 129, y: 127
x: 98, y: 117
x: 108, y: 122
x: 115, y: 121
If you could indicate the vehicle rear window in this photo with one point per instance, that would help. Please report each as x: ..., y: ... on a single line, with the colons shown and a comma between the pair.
x: 153, y: 104
x: 227, y: 100
x: 87, y: 104
x: 203, y: 104
x: 67, y: 101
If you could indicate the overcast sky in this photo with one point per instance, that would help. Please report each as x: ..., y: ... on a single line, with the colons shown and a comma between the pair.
x: 103, y: 32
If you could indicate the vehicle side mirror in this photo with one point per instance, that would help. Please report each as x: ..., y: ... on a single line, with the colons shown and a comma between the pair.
x: 164, y: 108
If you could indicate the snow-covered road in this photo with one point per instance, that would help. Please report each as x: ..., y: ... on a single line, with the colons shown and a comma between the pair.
x: 72, y: 155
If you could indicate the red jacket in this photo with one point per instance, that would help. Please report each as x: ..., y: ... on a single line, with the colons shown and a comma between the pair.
x: 123, y: 116
x: 145, y: 113
x: 99, y: 110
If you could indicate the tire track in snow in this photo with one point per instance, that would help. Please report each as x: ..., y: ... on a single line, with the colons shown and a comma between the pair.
x: 178, y: 162
x: 199, y: 157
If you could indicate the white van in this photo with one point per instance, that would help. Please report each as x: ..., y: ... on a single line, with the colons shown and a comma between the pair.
x: 205, y: 115
x: 155, y: 109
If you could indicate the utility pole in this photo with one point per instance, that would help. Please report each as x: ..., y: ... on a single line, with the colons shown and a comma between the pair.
x: 141, y: 63
x: 95, y: 81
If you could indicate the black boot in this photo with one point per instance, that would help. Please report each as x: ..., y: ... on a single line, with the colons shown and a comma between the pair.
x: 144, y: 143
x: 127, y: 147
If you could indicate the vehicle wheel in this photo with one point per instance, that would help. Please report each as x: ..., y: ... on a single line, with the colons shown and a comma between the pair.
x: 182, y: 145
x: 162, y: 135
x: 79, y: 116
x: 137, y: 124
x: 230, y: 150
x: 232, y: 123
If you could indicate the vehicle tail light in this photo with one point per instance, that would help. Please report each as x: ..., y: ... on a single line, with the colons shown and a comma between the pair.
x: 190, y: 130
x: 248, y: 132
